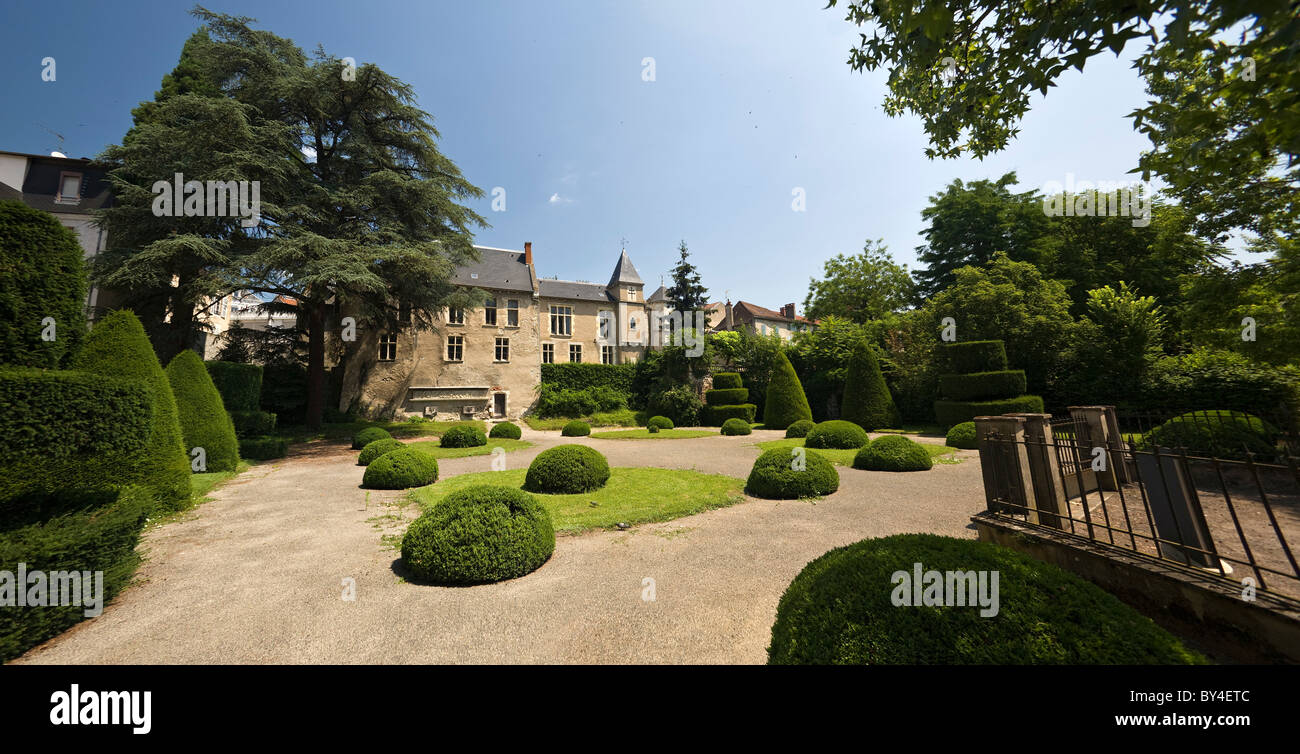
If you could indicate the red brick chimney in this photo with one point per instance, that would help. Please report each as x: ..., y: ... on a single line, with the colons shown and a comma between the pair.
x: 528, y: 252
x: 788, y: 311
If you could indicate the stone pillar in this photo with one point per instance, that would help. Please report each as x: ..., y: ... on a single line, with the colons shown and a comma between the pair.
x: 1123, y: 468
x: 1045, y: 480
x: 1094, y: 422
x: 1004, y: 464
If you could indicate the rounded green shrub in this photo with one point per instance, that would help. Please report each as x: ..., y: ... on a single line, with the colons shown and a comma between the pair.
x: 263, y: 448
x: 41, y: 275
x: 400, y: 469
x: 567, y: 470
x: 118, y: 347
x: 735, y: 427
x: 506, y: 431
x: 659, y: 422
x: 790, y: 474
x: 1218, y: 433
x: 962, y: 436
x: 785, y: 403
x: 378, y: 448
x: 893, y: 453
x: 479, y: 535
x: 727, y: 381
x: 204, y: 421
x: 652, y: 429
x: 462, y: 436
x: 368, y: 435
x: 847, y: 608
x: 800, y: 428
x: 836, y: 433
x: 240, y: 385
x: 576, y: 428
x: 867, y: 402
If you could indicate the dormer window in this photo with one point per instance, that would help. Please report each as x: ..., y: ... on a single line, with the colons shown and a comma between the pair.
x: 69, y: 188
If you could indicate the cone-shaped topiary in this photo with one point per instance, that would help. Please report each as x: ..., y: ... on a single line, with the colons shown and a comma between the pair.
x: 567, y: 470
x: 462, y: 436
x: 962, y: 436
x: 786, y: 402
x: 800, y: 428
x: 867, y: 402
x: 735, y: 427
x: 118, y: 347
x: 204, y: 421
x: 374, y: 450
x: 400, y: 469
x: 791, y: 473
x: 893, y: 453
x: 506, y: 431
x: 367, y: 436
x: 576, y: 428
x: 479, y: 535
x: 836, y: 433
x: 42, y: 288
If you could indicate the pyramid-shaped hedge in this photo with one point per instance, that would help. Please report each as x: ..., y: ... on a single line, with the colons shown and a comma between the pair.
x: 204, y: 421
x: 727, y: 400
x: 867, y: 402
x: 978, y: 383
x: 786, y: 401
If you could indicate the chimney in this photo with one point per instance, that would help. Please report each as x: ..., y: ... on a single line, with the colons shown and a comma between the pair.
x: 788, y: 310
x: 528, y: 253
x: 728, y: 321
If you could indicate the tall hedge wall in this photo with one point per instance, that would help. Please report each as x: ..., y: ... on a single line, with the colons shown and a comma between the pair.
x: 973, y: 356
x: 41, y: 275
x: 240, y: 385
x: 982, y: 385
x: 579, y: 376
x: 204, y: 421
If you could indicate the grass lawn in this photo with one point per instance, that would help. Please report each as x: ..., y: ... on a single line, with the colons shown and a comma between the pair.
x: 940, y: 453
x: 621, y: 418
x: 644, y: 434
x: 631, y: 496
x: 916, y: 429
x: 431, y: 447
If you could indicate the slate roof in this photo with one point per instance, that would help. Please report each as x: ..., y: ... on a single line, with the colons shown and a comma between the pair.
x: 624, y: 273
x: 497, y: 268
x: 573, y: 290
x: 660, y: 294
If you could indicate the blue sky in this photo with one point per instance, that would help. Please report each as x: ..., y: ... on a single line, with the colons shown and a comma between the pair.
x: 546, y: 100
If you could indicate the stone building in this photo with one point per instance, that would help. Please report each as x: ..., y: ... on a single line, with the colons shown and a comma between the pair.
x: 486, y: 362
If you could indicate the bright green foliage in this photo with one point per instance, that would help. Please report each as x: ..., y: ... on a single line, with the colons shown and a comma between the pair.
x: 204, y: 421
x: 368, y: 435
x: 799, y: 428
x: 400, y: 469
x: 962, y: 436
x: 118, y: 347
x: 1221, y: 434
x: 893, y: 453
x: 463, y: 436
x: 842, y: 610
x: 376, y: 449
x: 790, y: 474
x: 263, y: 448
x: 786, y: 402
x: 1111, y: 347
x: 660, y: 422
x: 726, y: 396
x: 727, y: 380
x: 987, y: 391
x: 680, y: 403
x: 836, y: 433
x: 506, y: 430
x: 567, y: 470
x: 576, y: 428
x: 569, y: 375
x: 867, y: 401
x: 861, y: 288
x: 735, y: 427
x: 41, y: 275
x: 479, y: 535
x: 240, y: 385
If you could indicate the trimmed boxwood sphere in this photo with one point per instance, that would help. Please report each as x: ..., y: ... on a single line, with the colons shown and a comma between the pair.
x: 567, y: 470
x: 836, y: 433
x: 506, y: 431
x: 576, y: 428
x: 367, y: 436
x: 799, y: 428
x: 400, y: 469
x: 1220, y: 433
x: 962, y: 436
x: 773, y: 476
x: 479, y: 535
x: 462, y: 436
x: 376, y: 449
x: 659, y: 422
x: 736, y: 427
x: 840, y: 610
x: 893, y: 453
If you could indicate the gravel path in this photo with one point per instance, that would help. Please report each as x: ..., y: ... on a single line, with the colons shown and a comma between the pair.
x: 255, y: 575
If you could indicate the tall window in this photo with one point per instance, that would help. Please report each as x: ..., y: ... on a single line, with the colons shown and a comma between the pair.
x: 604, y: 326
x: 455, y: 316
x: 503, y: 349
x: 575, y: 352
x: 548, y: 353
x: 561, y: 320
x: 455, y: 348
x: 490, y: 312
x: 607, y: 354
x: 387, y: 347
x: 512, y: 312
x: 69, y: 188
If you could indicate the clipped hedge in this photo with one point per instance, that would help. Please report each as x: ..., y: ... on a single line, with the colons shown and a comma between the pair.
x: 726, y: 397
x: 785, y: 402
x: 840, y: 610
x: 400, y: 469
x: 580, y: 376
x: 240, y: 385
x: 376, y: 449
x: 1218, y: 433
x: 735, y: 427
x: 506, y: 431
x: 659, y: 422
x: 727, y: 380
x: 204, y: 421
x: 368, y: 435
x: 462, y: 436
x: 973, y: 356
x: 836, y: 433
x: 982, y: 385
x: 263, y: 448
x: 567, y: 470
x: 799, y: 428
x: 42, y: 275
x: 867, y: 402
x: 950, y: 413
x: 576, y: 428
x: 479, y: 535
x: 962, y: 436
x: 253, y: 423
x: 893, y: 453
x: 716, y: 416
x: 118, y: 347
x: 86, y: 538
x: 777, y: 475
x: 555, y: 402
x: 65, y: 431
x: 680, y: 403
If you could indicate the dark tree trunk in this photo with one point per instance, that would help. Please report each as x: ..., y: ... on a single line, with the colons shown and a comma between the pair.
x: 180, y: 333
x: 315, y: 367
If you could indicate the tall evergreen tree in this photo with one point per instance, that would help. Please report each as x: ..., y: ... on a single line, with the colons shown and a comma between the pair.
x: 686, y: 294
